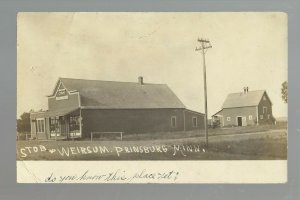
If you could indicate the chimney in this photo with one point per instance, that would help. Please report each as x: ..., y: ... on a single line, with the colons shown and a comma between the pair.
x: 140, y: 80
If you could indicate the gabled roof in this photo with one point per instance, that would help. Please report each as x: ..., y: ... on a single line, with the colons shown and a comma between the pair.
x: 251, y: 98
x: 122, y: 95
x: 217, y: 113
x: 195, y: 112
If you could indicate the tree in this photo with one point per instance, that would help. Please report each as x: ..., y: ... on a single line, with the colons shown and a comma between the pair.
x: 23, y: 124
x: 284, y: 91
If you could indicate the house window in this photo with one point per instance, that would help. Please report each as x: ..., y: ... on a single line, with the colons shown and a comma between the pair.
x: 265, y: 109
x: 250, y: 117
x: 261, y: 117
x: 268, y: 116
x: 264, y: 98
x: 228, y: 119
x: 173, y: 121
x: 40, y: 125
x: 194, y: 121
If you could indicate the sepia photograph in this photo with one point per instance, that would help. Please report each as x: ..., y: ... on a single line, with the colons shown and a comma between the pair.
x: 145, y: 86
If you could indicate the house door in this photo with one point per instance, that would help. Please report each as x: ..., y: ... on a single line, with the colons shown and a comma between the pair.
x: 239, y: 121
x: 244, y: 121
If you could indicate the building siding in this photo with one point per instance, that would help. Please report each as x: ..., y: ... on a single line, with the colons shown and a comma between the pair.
x: 189, y: 120
x: 130, y: 120
x: 71, y: 102
x: 33, y: 129
x: 267, y: 104
x: 47, y: 128
x: 233, y: 113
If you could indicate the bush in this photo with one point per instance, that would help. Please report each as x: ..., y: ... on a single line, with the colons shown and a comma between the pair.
x: 23, y: 124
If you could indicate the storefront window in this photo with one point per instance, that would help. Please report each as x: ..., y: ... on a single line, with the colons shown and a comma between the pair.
x: 54, y: 125
x: 74, y: 123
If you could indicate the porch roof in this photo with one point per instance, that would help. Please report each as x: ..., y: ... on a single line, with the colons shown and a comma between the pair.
x: 52, y: 113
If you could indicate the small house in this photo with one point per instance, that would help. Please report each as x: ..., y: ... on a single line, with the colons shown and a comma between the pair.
x: 245, y: 108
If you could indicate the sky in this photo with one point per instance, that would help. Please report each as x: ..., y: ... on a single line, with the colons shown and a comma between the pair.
x: 248, y: 49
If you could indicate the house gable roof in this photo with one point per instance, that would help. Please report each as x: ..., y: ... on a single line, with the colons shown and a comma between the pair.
x: 217, y: 113
x: 251, y: 98
x: 122, y: 95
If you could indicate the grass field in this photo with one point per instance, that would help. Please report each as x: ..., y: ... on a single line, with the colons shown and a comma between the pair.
x: 212, y: 132
x: 246, y: 143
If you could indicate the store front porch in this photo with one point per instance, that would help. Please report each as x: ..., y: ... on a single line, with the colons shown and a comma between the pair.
x: 56, y: 125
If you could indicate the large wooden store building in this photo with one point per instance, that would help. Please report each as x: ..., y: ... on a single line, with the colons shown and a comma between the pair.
x: 78, y: 107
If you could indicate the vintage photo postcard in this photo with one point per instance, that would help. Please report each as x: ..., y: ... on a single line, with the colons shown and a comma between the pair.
x: 151, y: 97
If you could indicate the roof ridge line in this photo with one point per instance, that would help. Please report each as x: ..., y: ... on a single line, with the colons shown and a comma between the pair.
x: 113, y: 81
x: 247, y: 92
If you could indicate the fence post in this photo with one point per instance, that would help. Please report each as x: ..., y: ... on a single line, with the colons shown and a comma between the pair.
x: 91, y: 136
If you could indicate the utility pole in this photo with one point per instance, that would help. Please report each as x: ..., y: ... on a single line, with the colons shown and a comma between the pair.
x: 204, y: 45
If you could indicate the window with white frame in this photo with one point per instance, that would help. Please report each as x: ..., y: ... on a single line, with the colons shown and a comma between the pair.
x: 264, y: 98
x: 261, y: 117
x: 173, y: 121
x: 228, y: 118
x: 40, y: 125
x: 250, y: 117
x: 269, y: 116
x: 194, y: 121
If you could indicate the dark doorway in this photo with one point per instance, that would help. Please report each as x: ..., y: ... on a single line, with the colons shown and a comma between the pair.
x: 239, y: 121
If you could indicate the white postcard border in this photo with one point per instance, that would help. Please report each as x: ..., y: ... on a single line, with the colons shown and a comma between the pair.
x: 235, y: 171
